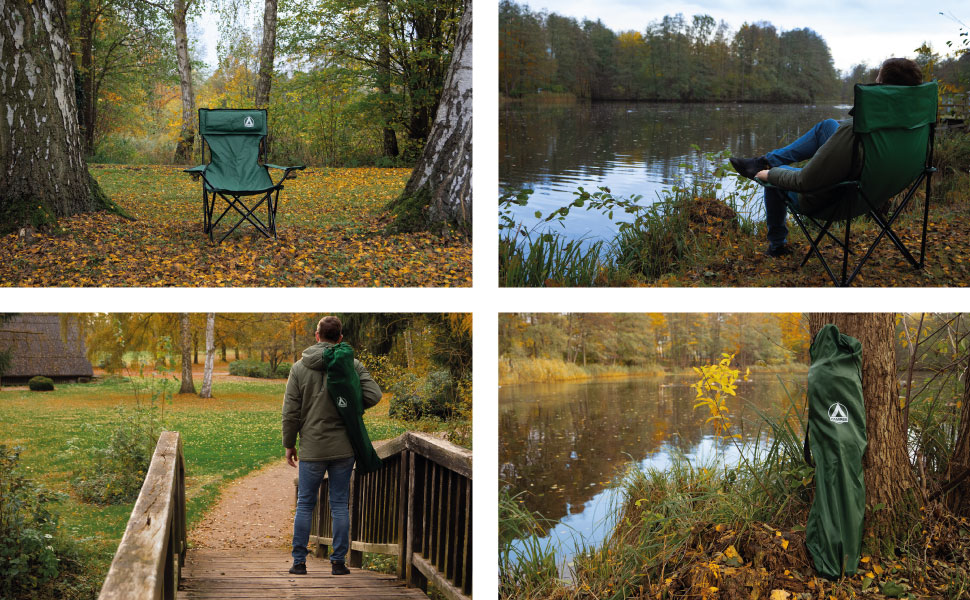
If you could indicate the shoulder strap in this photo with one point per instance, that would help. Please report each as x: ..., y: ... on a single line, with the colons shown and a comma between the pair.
x: 806, y: 451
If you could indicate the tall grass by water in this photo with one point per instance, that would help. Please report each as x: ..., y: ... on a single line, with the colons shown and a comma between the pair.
x: 543, y: 370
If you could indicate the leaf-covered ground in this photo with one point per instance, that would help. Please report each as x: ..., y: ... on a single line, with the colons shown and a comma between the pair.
x: 330, y: 225
x: 737, y: 260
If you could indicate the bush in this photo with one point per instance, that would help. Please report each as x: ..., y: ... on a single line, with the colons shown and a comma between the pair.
x: 250, y: 368
x: 33, y: 557
x: 41, y: 384
x: 113, y: 473
x: 283, y: 370
x: 435, y: 395
x: 380, y: 367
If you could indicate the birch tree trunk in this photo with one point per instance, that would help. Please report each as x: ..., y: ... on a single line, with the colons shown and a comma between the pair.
x: 886, y: 469
x: 439, y: 191
x: 185, y: 327
x: 384, y: 77
x: 183, y: 148
x: 264, y: 79
x: 42, y: 171
x: 210, y: 355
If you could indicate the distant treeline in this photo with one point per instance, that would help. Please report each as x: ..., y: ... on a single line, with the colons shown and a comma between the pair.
x: 672, y: 59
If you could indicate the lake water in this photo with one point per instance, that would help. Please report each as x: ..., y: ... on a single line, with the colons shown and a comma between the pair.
x: 563, y: 445
x: 632, y: 148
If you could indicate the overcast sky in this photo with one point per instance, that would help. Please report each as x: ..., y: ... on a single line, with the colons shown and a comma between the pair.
x: 856, y: 31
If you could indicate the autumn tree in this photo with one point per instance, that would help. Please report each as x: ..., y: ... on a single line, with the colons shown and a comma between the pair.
x: 210, y: 353
x: 439, y: 190
x: 44, y: 176
x: 267, y: 51
x: 185, y: 345
x: 886, y: 468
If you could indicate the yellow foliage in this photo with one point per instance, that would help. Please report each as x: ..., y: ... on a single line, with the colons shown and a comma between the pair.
x: 717, y: 382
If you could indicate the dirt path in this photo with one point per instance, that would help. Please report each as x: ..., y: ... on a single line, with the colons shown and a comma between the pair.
x: 255, y: 511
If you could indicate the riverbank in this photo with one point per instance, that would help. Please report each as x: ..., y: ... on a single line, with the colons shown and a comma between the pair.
x: 705, y: 532
x: 697, y: 238
x: 513, y: 371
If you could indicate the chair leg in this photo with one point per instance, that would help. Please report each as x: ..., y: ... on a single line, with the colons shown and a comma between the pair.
x: 926, y: 218
x: 815, y: 249
x: 845, y: 249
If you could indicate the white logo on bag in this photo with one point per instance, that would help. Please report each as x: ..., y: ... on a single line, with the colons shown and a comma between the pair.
x: 249, y: 122
x: 341, y: 402
x: 838, y: 413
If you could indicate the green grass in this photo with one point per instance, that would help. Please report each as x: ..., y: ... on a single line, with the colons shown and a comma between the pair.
x: 223, y: 439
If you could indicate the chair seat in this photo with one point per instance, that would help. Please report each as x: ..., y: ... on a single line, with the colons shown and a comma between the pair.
x: 271, y: 188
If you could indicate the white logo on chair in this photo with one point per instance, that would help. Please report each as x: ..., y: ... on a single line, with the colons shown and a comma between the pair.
x: 838, y: 413
x: 341, y: 402
x: 249, y: 122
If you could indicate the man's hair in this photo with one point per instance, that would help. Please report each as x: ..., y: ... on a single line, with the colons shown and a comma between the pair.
x: 900, y: 71
x: 330, y: 329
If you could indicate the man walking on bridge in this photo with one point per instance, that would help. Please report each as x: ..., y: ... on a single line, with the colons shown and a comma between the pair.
x: 326, y: 394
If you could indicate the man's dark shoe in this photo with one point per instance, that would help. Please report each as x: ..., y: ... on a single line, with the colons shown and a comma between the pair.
x: 299, y: 569
x: 749, y: 167
x: 785, y: 250
x: 339, y: 568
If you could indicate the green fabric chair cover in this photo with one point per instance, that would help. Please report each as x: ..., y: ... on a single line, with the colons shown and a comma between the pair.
x: 343, y: 387
x: 234, y: 138
x: 892, y: 125
x: 836, y: 435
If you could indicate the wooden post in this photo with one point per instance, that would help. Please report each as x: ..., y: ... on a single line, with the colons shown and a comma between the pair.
x: 403, y: 482
x: 355, y: 558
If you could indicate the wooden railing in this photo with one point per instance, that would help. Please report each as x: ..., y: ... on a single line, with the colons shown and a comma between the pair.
x: 152, y: 550
x: 418, y: 507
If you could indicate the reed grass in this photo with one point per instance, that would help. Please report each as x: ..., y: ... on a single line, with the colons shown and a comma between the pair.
x: 541, y: 370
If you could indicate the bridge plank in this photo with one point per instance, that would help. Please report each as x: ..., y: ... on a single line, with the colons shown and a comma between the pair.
x: 262, y: 573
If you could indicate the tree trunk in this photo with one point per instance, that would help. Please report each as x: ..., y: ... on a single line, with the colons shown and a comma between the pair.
x: 222, y: 351
x: 210, y: 355
x: 958, y: 499
x: 409, y: 349
x: 87, y: 102
x: 195, y: 348
x: 887, y: 473
x: 183, y: 149
x: 42, y: 170
x: 267, y: 50
x: 439, y: 191
x: 384, y: 78
x: 186, y: 337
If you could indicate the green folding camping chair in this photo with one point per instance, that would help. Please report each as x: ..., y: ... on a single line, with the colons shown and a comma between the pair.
x: 235, y: 138
x: 894, y: 128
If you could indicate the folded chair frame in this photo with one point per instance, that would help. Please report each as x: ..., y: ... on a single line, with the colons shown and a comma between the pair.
x: 235, y: 202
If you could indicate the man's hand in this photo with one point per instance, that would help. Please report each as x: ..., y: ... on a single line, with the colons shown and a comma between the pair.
x: 291, y: 457
x: 762, y: 175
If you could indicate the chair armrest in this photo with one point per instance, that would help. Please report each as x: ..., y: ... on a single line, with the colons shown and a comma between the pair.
x: 296, y: 168
x: 199, y: 169
x: 829, y: 188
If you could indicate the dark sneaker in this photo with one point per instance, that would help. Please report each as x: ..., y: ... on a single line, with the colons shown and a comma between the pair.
x: 779, y: 251
x: 299, y: 569
x: 749, y: 167
x: 339, y: 568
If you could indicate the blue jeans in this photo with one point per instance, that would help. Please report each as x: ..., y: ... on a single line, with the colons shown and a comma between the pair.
x: 804, y: 148
x: 311, y: 476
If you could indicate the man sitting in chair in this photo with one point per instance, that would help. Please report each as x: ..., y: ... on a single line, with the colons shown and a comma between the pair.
x: 830, y: 145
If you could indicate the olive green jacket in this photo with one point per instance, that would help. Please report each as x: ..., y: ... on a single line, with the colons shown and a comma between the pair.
x: 309, y: 412
x: 832, y: 163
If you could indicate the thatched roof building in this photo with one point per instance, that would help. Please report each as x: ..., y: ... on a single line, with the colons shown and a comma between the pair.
x: 39, y: 349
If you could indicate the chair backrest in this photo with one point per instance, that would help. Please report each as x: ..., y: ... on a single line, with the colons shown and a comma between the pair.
x: 893, y: 123
x: 234, y: 137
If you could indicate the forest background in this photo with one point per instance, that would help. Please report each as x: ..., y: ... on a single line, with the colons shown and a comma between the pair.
x: 677, y: 58
x: 346, y: 82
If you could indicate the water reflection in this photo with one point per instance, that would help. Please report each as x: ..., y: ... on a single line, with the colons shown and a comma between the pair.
x: 563, y: 445
x: 632, y: 148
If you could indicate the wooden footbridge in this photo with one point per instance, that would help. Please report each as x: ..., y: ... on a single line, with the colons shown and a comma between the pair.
x: 417, y: 508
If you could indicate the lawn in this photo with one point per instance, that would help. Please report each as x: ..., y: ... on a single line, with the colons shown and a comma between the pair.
x: 330, y: 227
x: 223, y: 438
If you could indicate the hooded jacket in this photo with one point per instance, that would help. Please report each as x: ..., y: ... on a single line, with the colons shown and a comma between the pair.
x: 309, y: 412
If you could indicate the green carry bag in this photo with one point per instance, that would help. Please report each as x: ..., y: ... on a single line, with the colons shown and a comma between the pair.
x: 836, y: 438
x: 343, y: 387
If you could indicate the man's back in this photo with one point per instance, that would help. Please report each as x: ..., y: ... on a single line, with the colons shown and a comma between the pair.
x: 309, y: 411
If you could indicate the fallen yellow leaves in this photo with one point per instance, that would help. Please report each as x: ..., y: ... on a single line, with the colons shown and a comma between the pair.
x: 331, y: 233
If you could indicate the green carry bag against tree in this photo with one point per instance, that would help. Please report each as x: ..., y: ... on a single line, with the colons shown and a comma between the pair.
x: 343, y: 387
x: 836, y: 436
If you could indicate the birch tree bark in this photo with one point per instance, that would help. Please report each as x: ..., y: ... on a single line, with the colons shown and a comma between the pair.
x: 42, y: 171
x: 210, y: 355
x: 384, y: 76
x: 886, y: 468
x: 185, y: 327
x: 183, y: 148
x: 439, y: 190
x: 267, y: 51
